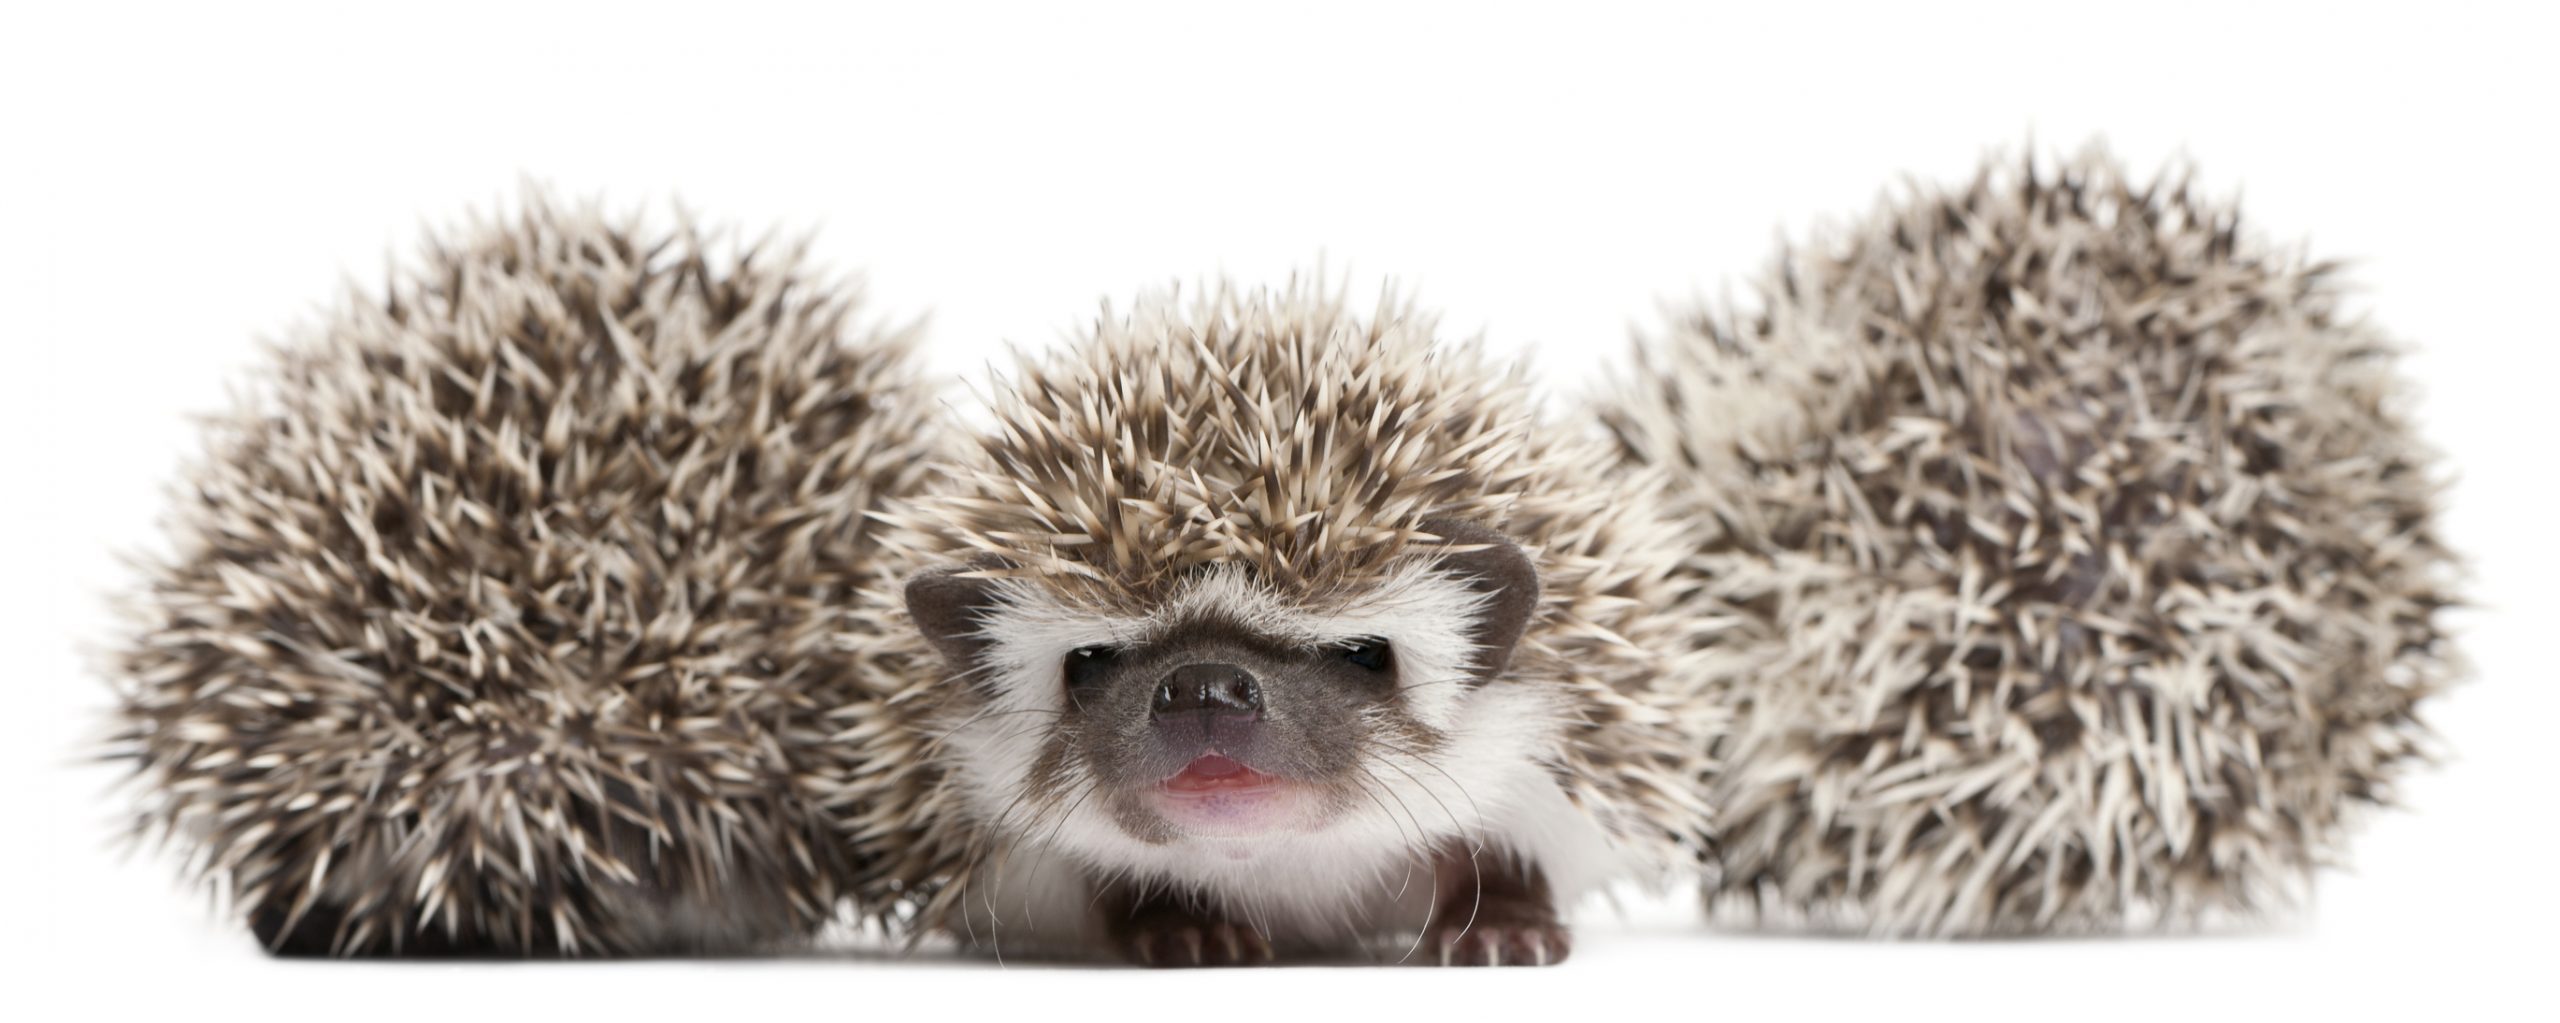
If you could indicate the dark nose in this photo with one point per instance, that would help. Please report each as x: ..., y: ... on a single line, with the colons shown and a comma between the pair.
x: 1220, y: 690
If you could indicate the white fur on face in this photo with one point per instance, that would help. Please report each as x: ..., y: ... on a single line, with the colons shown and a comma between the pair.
x: 1366, y: 868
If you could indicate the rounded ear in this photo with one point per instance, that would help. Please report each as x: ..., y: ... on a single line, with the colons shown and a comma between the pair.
x: 1494, y: 566
x: 950, y: 606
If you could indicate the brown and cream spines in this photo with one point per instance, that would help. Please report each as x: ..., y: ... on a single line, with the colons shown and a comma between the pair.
x: 510, y: 613
x: 1283, y: 438
x: 2072, y: 560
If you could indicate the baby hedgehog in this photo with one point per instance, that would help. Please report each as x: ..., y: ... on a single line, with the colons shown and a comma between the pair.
x: 508, y: 618
x: 2073, y: 560
x: 1254, y: 629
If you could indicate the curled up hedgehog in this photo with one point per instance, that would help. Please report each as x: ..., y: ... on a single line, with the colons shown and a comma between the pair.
x: 510, y: 617
x: 2066, y: 558
x: 1255, y: 628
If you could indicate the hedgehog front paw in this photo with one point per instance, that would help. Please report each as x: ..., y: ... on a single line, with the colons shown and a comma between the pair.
x: 1174, y: 940
x: 1177, y: 928
x: 1503, y: 943
x: 1494, y: 910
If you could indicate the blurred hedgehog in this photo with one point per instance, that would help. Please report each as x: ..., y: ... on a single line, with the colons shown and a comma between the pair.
x: 2068, y: 561
x: 510, y: 618
x: 1256, y: 629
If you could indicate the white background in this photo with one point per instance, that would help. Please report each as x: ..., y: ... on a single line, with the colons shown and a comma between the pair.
x: 176, y: 183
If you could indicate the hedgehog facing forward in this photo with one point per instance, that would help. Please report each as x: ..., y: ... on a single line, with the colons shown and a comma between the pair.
x: 1254, y: 628
x: 2075, y: 559
x: 510, y: 619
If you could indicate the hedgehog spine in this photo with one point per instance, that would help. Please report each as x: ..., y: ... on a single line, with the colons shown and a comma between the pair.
x: 508, y: 618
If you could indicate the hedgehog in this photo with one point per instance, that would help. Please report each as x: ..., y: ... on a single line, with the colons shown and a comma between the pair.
x: 2065, y: 559
x: 1254, y: 630
x: 508, y: 616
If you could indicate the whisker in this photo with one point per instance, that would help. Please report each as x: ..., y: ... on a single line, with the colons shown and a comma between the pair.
x: 1454, y: 823
x: 1046, y: 844
x: 1430, y: 913
x: 1368, y: 784
x: 1469, y: 927
x: 943, y: 736
x: 1419, y: 758
x: 1452, y: 681
x: 1416, y: 849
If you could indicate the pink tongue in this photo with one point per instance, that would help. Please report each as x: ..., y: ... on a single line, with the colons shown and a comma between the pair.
x: 1211, y: 770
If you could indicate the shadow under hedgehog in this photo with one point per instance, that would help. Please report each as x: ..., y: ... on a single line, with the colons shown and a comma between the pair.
x: 1254, y: 629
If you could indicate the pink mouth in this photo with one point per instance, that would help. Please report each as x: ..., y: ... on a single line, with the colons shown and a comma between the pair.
x: 1216, y: 795
x: 1212, y: 772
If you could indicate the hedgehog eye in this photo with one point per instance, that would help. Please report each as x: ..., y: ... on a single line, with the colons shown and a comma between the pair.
x: 1368, y: 652
x: 1085, y: 665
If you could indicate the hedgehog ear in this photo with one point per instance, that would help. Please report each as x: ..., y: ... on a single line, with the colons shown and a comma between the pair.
x: 950, y: 605
x: 1501, y: 571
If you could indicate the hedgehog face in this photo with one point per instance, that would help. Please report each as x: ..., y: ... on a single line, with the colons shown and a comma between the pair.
x: 1227, y: 710
x: 1213, y: 727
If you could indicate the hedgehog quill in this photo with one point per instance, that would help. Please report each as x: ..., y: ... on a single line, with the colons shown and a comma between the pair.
x: 2075, y: 560
x: 504, y: 619
x: 1266, y: 630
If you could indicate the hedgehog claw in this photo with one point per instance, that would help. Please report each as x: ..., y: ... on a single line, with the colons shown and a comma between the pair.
x: 1184, y: 942
x: 1528, y: 943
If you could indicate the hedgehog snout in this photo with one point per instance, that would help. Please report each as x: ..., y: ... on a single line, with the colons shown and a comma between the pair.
x: 1205, y: 706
